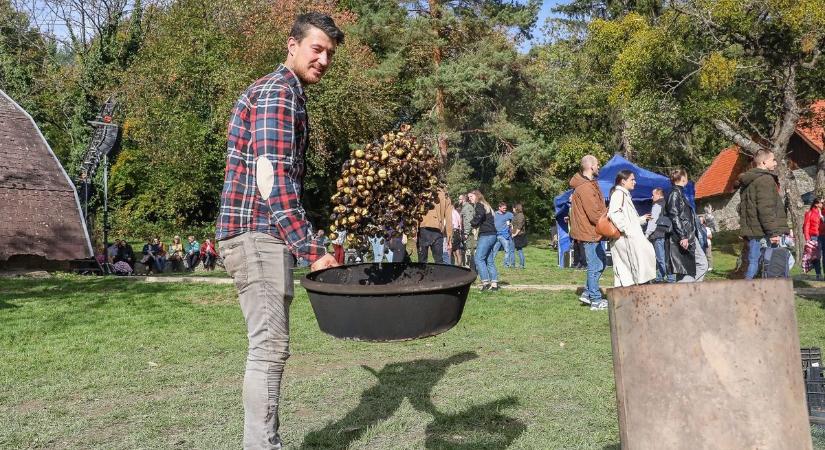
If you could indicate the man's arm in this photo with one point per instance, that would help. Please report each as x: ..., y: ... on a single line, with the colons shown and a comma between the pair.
x: 655, y: 212
x: 593, y: 214
x: 273, y: 144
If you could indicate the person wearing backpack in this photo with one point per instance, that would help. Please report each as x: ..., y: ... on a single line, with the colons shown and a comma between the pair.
x: 687, y: 258
x: 761, y: 209
x: 656, y: 232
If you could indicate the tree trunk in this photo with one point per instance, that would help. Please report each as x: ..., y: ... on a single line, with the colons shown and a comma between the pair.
x: 793, y: 202
x: 435, y: 14
x: 626, y: 146
x: 819, y: 187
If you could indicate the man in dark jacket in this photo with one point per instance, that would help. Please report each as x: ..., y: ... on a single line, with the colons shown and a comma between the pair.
x: 687, y: 258
x: 761, y: 211
x: 656, y: 233
x: 586, y: 207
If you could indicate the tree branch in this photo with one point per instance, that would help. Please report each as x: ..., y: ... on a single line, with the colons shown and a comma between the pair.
x: 730, y: 131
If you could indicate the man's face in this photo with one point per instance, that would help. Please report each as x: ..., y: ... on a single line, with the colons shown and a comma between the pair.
x: 770, y: 163
x: 312, y: 56
x: 657, y: 195
x: 191, y: 239
x: 595, y: 167
x: 502, y: 209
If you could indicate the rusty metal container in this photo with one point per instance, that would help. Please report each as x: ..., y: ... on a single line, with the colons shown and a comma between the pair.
x: 712, y: 365
x: 389, y: 301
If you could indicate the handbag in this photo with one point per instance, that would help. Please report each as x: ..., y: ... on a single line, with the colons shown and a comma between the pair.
x: 605, y: 227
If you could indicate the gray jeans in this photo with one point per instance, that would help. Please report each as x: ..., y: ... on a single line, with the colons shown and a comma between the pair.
x: 701, y: 265
x: 261, y: 266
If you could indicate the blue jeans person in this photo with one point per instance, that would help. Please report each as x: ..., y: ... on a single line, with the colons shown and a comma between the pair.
x: 661, y: 261
x: 520, y: 253
x: 485, y: 259
x: 596, y: 260
x: 506, y: 243
x: 754, y: 253
x: 378, y: 249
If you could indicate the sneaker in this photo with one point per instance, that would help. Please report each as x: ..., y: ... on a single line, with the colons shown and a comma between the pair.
x: 584, y: 298
x: 599, y: 306
x: 485, y: 287
x: 495, y: 288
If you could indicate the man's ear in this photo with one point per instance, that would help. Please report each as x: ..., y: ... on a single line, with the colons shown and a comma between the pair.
x: 291, y: 43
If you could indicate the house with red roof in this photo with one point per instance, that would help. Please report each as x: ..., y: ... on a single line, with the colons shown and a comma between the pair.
x: 716, y: 189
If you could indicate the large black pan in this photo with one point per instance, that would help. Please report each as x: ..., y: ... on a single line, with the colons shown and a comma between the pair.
x: 389, y: 301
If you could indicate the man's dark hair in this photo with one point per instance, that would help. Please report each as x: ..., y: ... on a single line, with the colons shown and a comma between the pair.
x: 318, y: 20
x: 659, y: 190
x: 500, y: 204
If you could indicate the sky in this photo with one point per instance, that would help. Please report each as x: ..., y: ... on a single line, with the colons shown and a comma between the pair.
x: 544, y: 14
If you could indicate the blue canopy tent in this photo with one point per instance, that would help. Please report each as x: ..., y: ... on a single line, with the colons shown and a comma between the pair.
x: 646, y: 181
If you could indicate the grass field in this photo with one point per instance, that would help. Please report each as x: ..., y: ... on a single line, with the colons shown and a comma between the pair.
x: 113, y: 363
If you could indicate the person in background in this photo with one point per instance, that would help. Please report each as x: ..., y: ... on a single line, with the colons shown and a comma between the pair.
x: 149, y: 256
x: 111, y: 252
x: 160, y: 254
x: 468, y: 212
x: 378, y: 244
x: 634, y: 260
x: 656, y: 234
x: 458, y: 237
x: 208, y: 254
x: 812, y: 230
x: 485, y: 259
x: 586, y: 207
x: 176, y: 254
x: 193, y: 253
x: 761, y: 210
x: 338, y: 246
x: 707, y: 234
x: 504, y: 234
x: 434, y: 228
x: 125, y: 254
x: 519, y: 233
x: 687, y: 258
x: 322, y: 238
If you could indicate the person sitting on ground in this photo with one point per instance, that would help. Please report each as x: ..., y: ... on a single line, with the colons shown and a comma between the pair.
x: 208, y: 255
x: 634, y: 260
x: 193, y: 253
x: 125, y: 254
x: 175, y: 254
x: 149, y: 259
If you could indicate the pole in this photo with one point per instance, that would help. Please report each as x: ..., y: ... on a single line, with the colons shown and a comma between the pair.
x: 106, y: 202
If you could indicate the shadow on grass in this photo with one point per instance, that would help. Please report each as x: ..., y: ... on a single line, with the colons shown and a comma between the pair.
x: 478, y: 427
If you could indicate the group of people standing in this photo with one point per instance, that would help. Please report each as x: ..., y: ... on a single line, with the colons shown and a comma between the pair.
x: 671, y: 243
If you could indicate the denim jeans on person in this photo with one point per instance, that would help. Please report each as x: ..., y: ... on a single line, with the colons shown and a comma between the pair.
x: 509, y: 250
x: 520, y: 253
x: 261, y: 266
x: 378, y: 245
x: 485, y: 259
x: 596, y: 261
x: 661, y: 261
x: 754, y: 253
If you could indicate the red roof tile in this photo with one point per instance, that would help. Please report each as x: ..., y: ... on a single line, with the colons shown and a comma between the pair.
x: 40, y: 209
x: 813, y: 129
x: 720, y: 177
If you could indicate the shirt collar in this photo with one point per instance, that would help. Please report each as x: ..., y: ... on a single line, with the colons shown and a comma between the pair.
x: 621, y: 188
x: 291, y: 78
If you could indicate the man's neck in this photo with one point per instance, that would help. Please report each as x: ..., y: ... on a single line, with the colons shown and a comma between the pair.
x: 588, y: 175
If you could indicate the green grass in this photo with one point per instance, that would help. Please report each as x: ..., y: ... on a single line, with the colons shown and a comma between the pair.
x: 100, y: 362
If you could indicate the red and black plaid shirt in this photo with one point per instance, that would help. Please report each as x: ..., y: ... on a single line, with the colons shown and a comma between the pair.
x: 268, y: 128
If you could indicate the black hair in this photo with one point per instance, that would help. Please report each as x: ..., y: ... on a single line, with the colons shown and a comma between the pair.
x: 318, y: 20
x: 623, y: 175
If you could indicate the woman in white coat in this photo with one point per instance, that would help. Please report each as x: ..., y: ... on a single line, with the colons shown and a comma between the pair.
x: 634, y: 260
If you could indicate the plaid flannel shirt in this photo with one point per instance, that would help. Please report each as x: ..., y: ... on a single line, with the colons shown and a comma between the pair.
x: 268, y: 136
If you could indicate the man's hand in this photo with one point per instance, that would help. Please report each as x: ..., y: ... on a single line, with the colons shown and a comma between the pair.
x: 684, y: 243
x: 775, y: 240
x: 648, y: 216
x: 324, y: 262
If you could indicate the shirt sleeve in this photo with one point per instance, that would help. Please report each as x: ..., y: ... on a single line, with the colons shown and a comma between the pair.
x: 655, y: 212
x: 273, y: 147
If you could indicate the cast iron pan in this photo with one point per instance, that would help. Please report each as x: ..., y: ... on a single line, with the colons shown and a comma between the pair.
x: 388, y: 301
